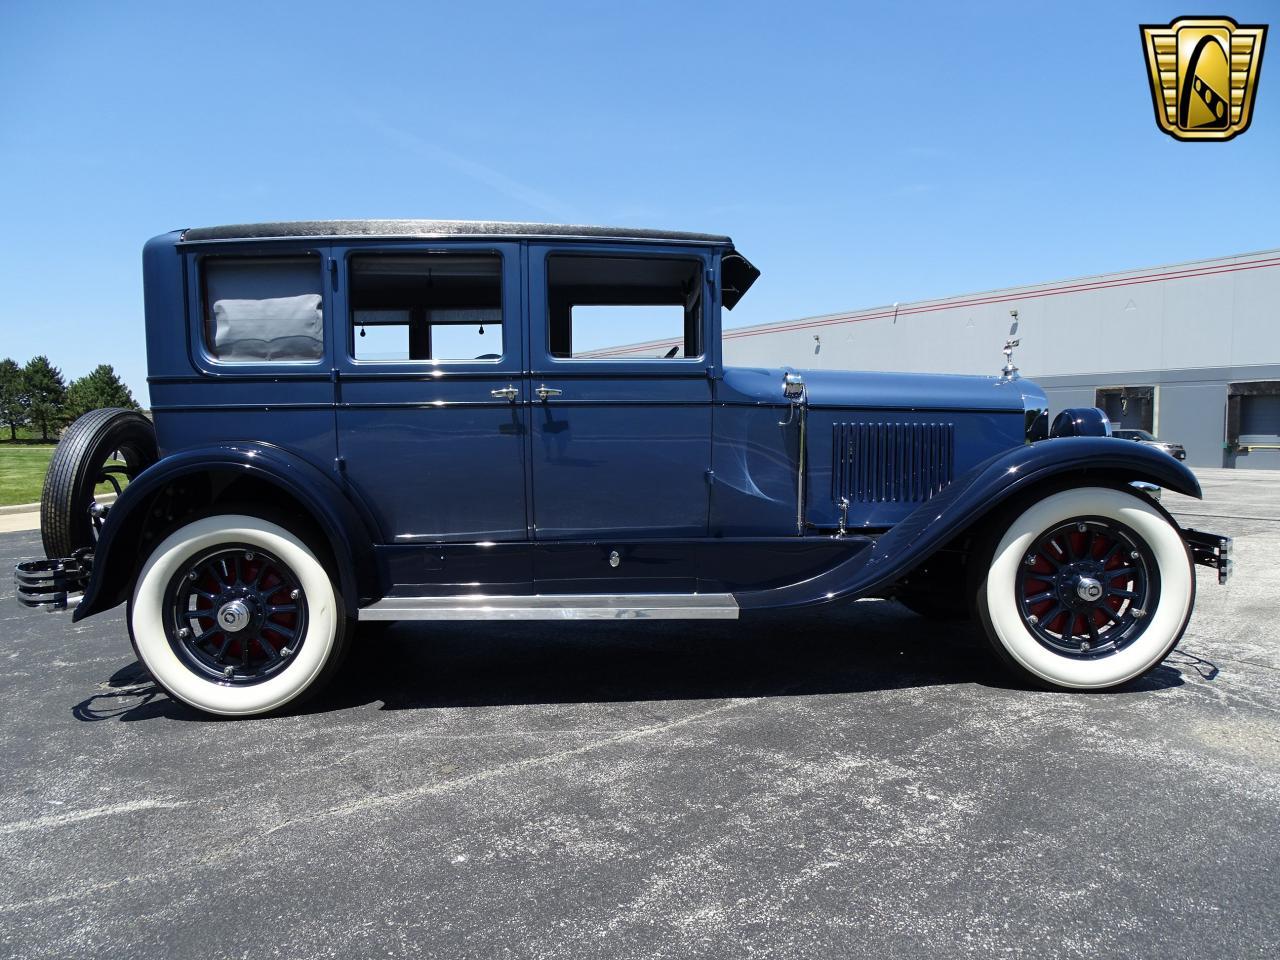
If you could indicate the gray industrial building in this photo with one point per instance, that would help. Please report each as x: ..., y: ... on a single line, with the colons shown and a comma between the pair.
x: 1189, y: 352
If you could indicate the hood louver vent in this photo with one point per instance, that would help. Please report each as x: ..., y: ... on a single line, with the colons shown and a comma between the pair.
x: 879, y: 462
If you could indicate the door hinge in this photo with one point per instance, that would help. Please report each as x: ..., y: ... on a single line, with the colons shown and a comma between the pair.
x: 340, y: 464
x: 711, y: 476
x: 333, y: 273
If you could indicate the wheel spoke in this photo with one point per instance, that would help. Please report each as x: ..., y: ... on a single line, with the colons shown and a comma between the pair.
x: 219, y: 571
x: 282, y: 608
x: 1121, y: 572
x: 283, y: 631
x: 1040, y: 597
x: 1052, y: 615
x: 1126, y: 594
x: 105, y: 477
x: 267, y: 648
x: 1047, y: 555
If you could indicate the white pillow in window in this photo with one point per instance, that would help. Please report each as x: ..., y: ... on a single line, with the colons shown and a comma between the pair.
x: 279, y: 328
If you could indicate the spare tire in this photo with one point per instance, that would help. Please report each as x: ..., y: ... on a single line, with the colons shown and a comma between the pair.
x: 109, y: 446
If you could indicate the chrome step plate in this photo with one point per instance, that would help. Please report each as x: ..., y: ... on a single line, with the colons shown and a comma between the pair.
x: 634, y: 606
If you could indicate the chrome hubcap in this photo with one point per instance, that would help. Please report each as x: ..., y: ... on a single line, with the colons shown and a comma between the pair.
x: 234, y: 616
x: 1089, y: 589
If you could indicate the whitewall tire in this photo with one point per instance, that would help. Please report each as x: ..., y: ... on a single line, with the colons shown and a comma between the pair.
x: 1086, y: 589
x: 235, y: 615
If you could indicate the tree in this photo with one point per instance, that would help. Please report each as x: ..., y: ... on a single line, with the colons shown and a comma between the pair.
x: 13, y: 397
x: 47, y: 392
x: 99, y: 388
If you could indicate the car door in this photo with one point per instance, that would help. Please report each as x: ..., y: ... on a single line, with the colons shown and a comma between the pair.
x: 619, y: 413
x: 430, y: 420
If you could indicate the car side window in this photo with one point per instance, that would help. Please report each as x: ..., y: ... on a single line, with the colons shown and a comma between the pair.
x: 637, y: 308
x: 263, y: 309
x: 433, y: 306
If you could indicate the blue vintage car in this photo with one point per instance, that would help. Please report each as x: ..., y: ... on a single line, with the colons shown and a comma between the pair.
x: 431, y: 420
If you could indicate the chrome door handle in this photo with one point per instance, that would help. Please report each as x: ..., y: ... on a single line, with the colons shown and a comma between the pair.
x: 506, y: 393
x: 544, y: 391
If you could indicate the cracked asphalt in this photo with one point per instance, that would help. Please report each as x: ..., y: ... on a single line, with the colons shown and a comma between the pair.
x: 865, y: 784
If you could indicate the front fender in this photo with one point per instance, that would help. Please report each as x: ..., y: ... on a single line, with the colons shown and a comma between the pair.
x: 119, y: 551
x: 970, y: 498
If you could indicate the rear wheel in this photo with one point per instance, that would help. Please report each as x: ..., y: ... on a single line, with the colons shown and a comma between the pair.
x: 1086, y: 589
x: 236, y: 615
x: 94, y: 461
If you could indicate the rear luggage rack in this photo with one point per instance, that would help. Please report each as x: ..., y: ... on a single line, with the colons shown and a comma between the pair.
x: 1210, y: 550
x: 49, y: 583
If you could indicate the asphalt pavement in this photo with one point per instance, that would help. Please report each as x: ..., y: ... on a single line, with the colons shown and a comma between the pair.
x: 864, y: 784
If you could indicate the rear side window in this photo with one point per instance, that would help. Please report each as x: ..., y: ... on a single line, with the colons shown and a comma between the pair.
x: 263, y: 309
x: 433, y: 306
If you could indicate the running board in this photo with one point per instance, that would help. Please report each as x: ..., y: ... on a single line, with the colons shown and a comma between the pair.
x: 634, y: 606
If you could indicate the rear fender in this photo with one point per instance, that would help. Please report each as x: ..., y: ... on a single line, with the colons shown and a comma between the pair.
x: 970, y: 498
x: 128, y: 533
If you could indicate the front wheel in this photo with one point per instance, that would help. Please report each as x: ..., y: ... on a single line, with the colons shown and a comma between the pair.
x: 235, y: 615
x: 1086, y: 589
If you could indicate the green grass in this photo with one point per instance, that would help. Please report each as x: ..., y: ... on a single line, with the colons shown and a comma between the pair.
x: 22, y: 468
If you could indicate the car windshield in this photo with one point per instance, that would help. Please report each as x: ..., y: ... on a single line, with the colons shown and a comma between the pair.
x: 1134, y: 435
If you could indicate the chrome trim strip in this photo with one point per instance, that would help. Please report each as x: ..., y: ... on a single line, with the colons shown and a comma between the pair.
x: 802, y: 459
x: 636, y: 606
x: 793, y: 389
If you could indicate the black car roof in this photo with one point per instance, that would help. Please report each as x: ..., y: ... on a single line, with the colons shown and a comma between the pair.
x: 439, y: 228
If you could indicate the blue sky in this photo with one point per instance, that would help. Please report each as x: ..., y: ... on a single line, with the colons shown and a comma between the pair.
x: 859, y: 154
